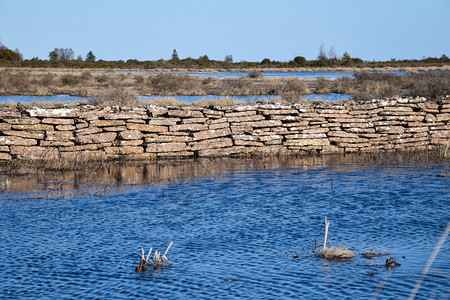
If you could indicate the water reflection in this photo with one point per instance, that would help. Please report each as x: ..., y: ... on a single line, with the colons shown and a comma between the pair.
x: 23, y: 178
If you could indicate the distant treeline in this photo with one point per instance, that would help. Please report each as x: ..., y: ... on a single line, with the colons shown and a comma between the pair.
x: 64, y: 58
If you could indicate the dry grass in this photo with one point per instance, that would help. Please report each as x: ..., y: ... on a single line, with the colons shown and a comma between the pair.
x: 97, y: 84
x: 225, y: 101
x: 119, y: 96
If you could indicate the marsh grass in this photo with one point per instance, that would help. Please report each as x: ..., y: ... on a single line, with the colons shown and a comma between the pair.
x: 365, y: 85
x: 119, y: 96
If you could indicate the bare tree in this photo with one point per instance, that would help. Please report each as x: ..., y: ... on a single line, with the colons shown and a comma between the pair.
x: 175, y: 55
x: 322, y: 56
x: 228, y: 58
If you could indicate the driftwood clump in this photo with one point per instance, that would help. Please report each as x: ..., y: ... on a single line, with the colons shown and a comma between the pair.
x: 157, y: 263
x: 333, y: 253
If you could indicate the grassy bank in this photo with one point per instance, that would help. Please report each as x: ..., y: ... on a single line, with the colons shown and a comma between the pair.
x: 109, y: 88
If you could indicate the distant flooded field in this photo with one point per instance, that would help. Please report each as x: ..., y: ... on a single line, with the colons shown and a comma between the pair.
x: 240, y: 229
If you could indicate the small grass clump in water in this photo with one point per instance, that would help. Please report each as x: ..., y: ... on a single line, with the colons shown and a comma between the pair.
x: 333, y: 253
x: 336, y: 253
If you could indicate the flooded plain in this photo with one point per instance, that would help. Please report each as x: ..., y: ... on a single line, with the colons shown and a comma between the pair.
x: 240, y: 229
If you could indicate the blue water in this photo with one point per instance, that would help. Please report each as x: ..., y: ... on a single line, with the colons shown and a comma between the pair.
x: 231, y: 233
x: 238, y: 74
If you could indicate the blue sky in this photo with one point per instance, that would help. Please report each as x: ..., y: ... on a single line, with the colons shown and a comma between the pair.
x: 246, y: 29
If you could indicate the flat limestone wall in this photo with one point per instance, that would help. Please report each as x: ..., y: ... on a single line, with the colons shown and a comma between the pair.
x: 87, y: 132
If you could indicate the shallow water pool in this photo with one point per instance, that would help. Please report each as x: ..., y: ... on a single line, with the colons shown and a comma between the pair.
x: 231, y: 233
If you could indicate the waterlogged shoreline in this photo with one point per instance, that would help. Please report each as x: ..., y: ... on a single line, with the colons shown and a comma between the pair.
x: 99, y: 177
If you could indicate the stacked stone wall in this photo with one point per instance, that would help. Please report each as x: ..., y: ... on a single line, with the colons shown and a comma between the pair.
x: 87, y: 132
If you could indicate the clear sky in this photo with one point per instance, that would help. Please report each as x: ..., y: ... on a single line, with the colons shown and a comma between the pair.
x: 246, y: 29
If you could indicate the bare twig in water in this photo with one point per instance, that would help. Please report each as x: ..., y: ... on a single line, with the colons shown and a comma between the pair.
x: 430, y: 262
x: 157, y: 262
x: 334, y: 253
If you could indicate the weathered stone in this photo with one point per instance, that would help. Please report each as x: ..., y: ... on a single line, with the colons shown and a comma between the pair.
x: 115, y: 128
x: 5, y: 126
x: 263, y: 123
x: 155, y: 111
x: 239, y: 129
x: 147, y: 128
x: 65, y: 127
x: 390, y: 129
x: 125, y: 116
x: 400, y: 113
x: 240, y: 114
x: 17, y: 141
x: 218, y: 125
x: 4, y: 148
x: 56, y: 143
x: 23, y: 121
x: 348, y: 140
x: 81, y: 125
x: 167, y: 147
x: 6, y: 113
x: 248, y: 143
x: 212, y: 144
x: 194, y: 120
x: 107, y: 123
x: 442, y: 117
x: 127, y: 142
x: 278, y: 112
x: 404, y: 118
x: 398, y: 108
x: 210, y: 134
x: 316, y: 130
x: 164, y: 121
x: 429, y: 107
x: 222, y: 151
x: 167, y: 139
x: 53, y: 112
x: 36, y: 152
x: 175, y: 154
x: 130, y: 135
x: 185, y: 113
x: 96, y: 138
x: 124, y: 150
x: 333, y: 111
x: 307, y: 142
x: 35, y: 127
x: 188, y: 127
x: 38, y: 135
x: 429, y: 118
x: 416, y: 129
x: 329, y: 149
x: 305, y: 136
x: 138, y: 121
x: 245, y: 119
x: 5, y: 156
x: 59, y: 135
x: 88, y: 147
x: 56, y: 121
x: 87, y: 131
x: 342, y: 134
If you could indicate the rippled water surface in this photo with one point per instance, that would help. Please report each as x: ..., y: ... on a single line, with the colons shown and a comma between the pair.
x: 231, y: 232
